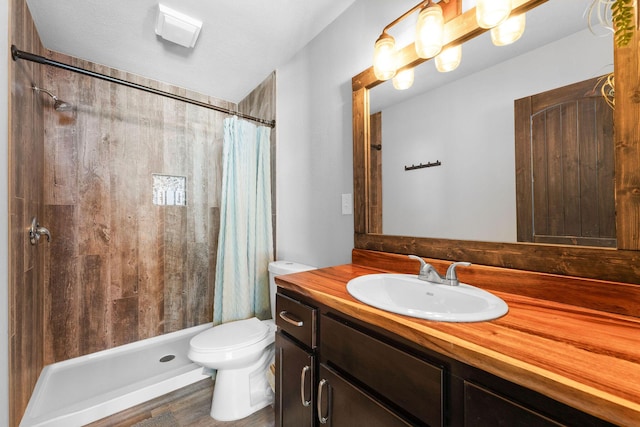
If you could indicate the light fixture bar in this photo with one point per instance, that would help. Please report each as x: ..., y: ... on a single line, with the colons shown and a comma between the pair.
x: 457, y: 30
x: 450, y: 9
x: 407, y: 13
x: 385, y: 56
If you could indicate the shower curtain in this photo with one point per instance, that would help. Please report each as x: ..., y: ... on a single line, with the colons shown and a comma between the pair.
x: 245, y: 242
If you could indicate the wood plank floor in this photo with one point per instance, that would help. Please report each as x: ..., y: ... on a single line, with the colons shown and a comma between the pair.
x: 188, y: 406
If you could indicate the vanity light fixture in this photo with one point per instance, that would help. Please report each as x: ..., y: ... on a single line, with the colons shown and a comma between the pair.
x: 508, y: 31
x: 403, y: 79
x: 490, y: 13
x: 429, y: 36
x: 385, y: 57
x: 429, y: 31
x: 449, y: 59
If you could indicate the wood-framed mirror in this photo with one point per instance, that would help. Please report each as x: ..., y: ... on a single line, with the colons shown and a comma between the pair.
x: 616, y: 264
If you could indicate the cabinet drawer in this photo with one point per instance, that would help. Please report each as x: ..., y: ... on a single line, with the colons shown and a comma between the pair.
x: 298, y: 320
x: 414, y: 385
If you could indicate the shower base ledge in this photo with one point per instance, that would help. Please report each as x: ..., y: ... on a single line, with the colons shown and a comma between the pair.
x: 84, y: 389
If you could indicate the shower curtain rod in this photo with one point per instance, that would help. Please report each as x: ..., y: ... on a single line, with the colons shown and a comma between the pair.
x: 18, y: 54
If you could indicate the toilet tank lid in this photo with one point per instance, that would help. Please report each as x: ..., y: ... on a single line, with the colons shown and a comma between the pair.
x: 286, y: 267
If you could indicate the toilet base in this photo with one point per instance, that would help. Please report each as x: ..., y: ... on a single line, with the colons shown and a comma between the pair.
x: 238, y: 393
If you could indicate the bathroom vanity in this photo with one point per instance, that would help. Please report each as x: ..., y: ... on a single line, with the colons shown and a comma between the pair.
x: 343, y: 363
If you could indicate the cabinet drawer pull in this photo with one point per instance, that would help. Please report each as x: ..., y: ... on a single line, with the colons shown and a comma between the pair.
x: 303, y: 377
x: 291, y: 320
x: 323, y: 420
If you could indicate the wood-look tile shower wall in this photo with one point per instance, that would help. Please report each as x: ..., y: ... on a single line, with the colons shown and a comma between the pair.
x: 26, y: 262
x: 121, y: 268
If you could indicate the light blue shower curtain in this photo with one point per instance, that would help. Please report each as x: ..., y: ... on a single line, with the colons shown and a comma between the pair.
x: 245, y: 242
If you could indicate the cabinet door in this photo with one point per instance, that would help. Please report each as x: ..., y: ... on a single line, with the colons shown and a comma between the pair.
x: 341, y: 404
x: 408, y: 382
x: 295, y: 384
x: 485, y: 408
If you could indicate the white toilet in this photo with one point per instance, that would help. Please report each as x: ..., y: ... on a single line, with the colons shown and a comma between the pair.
x: 241, y: 352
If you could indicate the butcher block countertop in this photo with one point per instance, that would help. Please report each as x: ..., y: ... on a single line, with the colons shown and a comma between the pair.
x: 586, y: 358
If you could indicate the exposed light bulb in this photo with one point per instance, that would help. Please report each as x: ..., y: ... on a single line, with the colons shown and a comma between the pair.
x: 429, y: 31
x: 509, y: 31
x: 404, y: 79
x: 449, y: 59
x: 385, y: 57
x: 490, y: 13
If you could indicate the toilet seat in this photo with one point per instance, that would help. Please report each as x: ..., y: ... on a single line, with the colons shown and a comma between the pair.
x: 241, y: 352
x: 230, y: 336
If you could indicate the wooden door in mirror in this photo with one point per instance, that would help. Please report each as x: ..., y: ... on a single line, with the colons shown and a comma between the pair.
x: 565, y: 167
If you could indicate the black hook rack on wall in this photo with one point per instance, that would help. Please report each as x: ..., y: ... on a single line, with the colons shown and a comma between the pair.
x: 421, y: 166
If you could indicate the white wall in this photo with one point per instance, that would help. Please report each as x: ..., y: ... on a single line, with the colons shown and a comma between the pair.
x: 469, y: 126
x: 4, y: 216
x: 314, y: 151
x: 314, y: 140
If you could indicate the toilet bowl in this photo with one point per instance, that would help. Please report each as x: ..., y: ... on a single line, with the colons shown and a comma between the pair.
x: 241, y: 352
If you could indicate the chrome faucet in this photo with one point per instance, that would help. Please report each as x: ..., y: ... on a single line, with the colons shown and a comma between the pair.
x: 429, y: 274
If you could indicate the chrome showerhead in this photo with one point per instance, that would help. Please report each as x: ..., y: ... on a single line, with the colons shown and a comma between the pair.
x: 58, y: 104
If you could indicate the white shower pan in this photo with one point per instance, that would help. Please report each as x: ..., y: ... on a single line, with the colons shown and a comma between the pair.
x: 79, y: 391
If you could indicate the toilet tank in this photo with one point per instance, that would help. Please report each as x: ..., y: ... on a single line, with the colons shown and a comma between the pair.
x: 278, y: 268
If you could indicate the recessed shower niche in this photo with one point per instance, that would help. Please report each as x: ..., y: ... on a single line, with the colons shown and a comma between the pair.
x: 169, y: 190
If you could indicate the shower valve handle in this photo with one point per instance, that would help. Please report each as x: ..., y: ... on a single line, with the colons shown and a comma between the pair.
x: 35, y: 231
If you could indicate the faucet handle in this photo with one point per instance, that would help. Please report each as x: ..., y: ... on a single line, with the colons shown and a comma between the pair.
x: 427, y: 272
x: 452, y: 275
x: 423, y: 264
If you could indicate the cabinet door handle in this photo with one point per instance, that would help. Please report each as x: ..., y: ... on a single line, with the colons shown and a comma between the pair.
x: 303, y: 378
x: 291, y: 320
x: 323, y: 420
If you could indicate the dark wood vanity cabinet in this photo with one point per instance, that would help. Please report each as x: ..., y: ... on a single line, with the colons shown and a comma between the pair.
x: 344, y: 373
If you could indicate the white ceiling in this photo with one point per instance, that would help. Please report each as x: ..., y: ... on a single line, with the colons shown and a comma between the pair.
x: 240, y: 44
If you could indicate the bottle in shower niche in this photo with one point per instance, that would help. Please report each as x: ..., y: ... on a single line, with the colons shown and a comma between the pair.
x: 158, y: 196
x: 170, y: 197
x: 180, y: 197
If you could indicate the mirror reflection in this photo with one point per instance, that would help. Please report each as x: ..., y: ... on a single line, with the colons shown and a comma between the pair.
x: 461, y: 124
